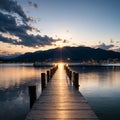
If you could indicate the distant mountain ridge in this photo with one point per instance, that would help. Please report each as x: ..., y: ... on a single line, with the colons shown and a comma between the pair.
x: 5, y: 57
x: 68, y: 54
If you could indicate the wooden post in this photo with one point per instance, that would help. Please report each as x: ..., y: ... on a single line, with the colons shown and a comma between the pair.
x: 50, y: 73
x: 32, y: 95
x: 65, y: 67
x: 70, y: 75
x: 48, y: 76
x: 73, y: 78
x: 43, y: 81
x: 67, y: 70
x: 76, y: 80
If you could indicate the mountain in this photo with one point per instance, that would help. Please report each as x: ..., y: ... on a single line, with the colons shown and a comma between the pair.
x: 7, y: 57
x: 69, y: 53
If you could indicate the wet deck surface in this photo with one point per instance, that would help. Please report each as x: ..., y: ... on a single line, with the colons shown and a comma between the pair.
x: 60, y: 101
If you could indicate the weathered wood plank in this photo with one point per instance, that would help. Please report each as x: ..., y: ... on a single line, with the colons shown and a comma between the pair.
x: 61, y: 114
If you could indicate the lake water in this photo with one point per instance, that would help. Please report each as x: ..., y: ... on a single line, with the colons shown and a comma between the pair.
x: 101, y: 88
x: 14, y: 82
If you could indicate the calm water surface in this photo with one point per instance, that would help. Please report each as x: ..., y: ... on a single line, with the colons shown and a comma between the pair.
x: 14, y: 82
x: 101, y: 87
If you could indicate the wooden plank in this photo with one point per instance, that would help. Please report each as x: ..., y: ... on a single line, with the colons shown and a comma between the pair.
x: 60, y: 101
x: 62, y: 114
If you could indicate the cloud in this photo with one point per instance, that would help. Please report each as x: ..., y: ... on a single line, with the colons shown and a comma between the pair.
x: 4, y: 52
x: 30, y: 40
x: 11, y: 6
x: 10, y: 24
x: 32, y: 5
x: 7, y: 40
x: 33, y: 41
x: 6, y: 21
x: 65, y: 41
x: 104, y: 46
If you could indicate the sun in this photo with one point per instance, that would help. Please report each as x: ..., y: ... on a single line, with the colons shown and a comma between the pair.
x: 61, y: 46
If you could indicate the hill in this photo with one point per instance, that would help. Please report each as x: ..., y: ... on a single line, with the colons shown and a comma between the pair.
x: 69, y: 54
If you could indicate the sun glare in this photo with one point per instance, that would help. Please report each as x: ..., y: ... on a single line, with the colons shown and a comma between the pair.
x: 61, y: 46
x: 60, y: 64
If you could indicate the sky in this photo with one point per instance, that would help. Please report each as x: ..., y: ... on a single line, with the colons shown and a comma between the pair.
x: 32, y: 25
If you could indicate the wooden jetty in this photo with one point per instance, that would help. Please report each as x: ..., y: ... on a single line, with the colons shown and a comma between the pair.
x: 61, y: 101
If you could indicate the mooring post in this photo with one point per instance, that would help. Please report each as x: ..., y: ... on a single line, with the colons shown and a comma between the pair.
x: 48, y: 76
x: 64, y: 66
x: 73, y: 78
x: 56, y: 67
x: 32, y: 94
x: 76, y: 80
x: 43, y: 81
x: 50, y: 73
x: 70, y: 75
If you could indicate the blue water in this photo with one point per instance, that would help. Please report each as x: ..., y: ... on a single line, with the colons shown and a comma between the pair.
x: 101, y: 88
x: 14, y: 82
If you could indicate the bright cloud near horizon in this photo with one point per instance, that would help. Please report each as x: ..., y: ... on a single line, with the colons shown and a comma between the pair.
x: 32, y: 25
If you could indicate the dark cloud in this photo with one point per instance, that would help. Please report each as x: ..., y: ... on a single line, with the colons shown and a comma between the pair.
x: 32, y: 5
x: 65, y: 41
x: 7, y: 40
x: 33, y: 41
x: 30, y: 40
x: 11, y: 6
x: 12, y: 25
x: 6, y: 21
x: 104, y: 46
x: 9, y: 24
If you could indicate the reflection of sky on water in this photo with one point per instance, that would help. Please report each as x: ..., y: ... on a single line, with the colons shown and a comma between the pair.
x: 101, y: 87
x: 14, y: 81
x: 15, y: 75
x: 14, y: 103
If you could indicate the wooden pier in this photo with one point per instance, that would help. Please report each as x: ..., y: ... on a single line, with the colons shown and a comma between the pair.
x: 61, y: 101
